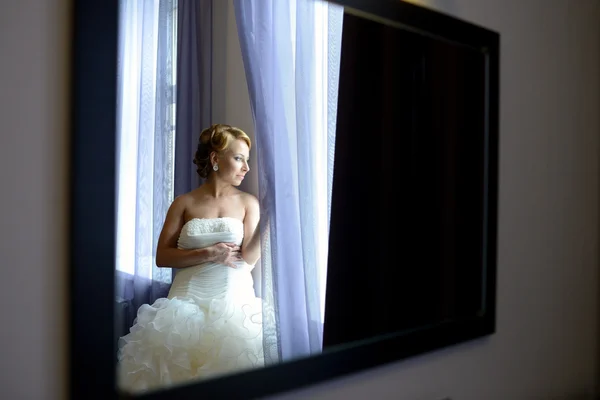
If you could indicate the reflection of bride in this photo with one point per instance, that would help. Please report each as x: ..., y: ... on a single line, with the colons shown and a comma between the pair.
x: 211, y: 322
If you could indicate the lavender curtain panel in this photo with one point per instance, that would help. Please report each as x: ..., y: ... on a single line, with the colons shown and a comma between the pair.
x: 291, y: 57
x: 194, y: 65
x: 145, y: 144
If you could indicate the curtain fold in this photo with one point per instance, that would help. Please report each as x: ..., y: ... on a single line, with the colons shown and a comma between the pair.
x: 145, y: 146
x: 291, y: 52
x: 194, y: 77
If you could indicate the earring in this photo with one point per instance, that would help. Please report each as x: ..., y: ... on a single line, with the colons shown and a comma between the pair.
x: 215, y: 167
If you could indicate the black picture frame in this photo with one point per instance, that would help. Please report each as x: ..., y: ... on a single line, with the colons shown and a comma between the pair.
x: 92, y: 227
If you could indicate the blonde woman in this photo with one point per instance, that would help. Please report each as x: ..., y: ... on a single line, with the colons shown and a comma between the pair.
x: 211, y: 322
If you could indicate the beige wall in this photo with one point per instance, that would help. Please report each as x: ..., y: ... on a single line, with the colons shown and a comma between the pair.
x: 231, y: 103
x: 547, y: 341
x: 34, y: 75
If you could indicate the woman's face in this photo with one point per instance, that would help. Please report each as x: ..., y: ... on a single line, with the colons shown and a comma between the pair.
x: 233, y: 163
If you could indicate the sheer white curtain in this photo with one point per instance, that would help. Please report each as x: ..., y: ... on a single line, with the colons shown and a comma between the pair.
x: 291, y: 52
x: 145, y: 140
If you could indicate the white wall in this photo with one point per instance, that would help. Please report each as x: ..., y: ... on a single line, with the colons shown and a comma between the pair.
x: 547, y: 341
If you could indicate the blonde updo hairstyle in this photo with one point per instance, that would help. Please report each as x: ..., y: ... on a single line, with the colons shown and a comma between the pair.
x: 216, y: 138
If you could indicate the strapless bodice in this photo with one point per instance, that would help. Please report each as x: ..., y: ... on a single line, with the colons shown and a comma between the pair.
x: 198, y: 233
x: 212, y: 280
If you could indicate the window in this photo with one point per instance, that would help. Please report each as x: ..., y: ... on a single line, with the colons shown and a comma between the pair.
x: 146, y: 131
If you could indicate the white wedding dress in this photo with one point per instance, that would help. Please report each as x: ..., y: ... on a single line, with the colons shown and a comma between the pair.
x: 210, y: 324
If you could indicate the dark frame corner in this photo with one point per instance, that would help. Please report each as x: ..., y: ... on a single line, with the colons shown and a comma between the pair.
x: 92, y: 350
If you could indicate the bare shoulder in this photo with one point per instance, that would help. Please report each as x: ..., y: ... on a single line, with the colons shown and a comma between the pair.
x: 250, y: 201
x: 181, y: 203
x: 183, y: 199
x: 251, y: 206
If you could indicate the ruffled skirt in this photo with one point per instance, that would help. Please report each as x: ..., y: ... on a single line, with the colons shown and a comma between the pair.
x: 177, y: 340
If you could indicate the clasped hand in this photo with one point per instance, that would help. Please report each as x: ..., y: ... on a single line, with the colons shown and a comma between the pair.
x: 226, y: 253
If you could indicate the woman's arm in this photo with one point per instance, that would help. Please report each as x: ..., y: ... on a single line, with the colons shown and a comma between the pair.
x: 167, y: 253
x: 251, y: 244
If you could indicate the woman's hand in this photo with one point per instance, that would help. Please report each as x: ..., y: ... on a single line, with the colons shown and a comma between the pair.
x: 226, y: 253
